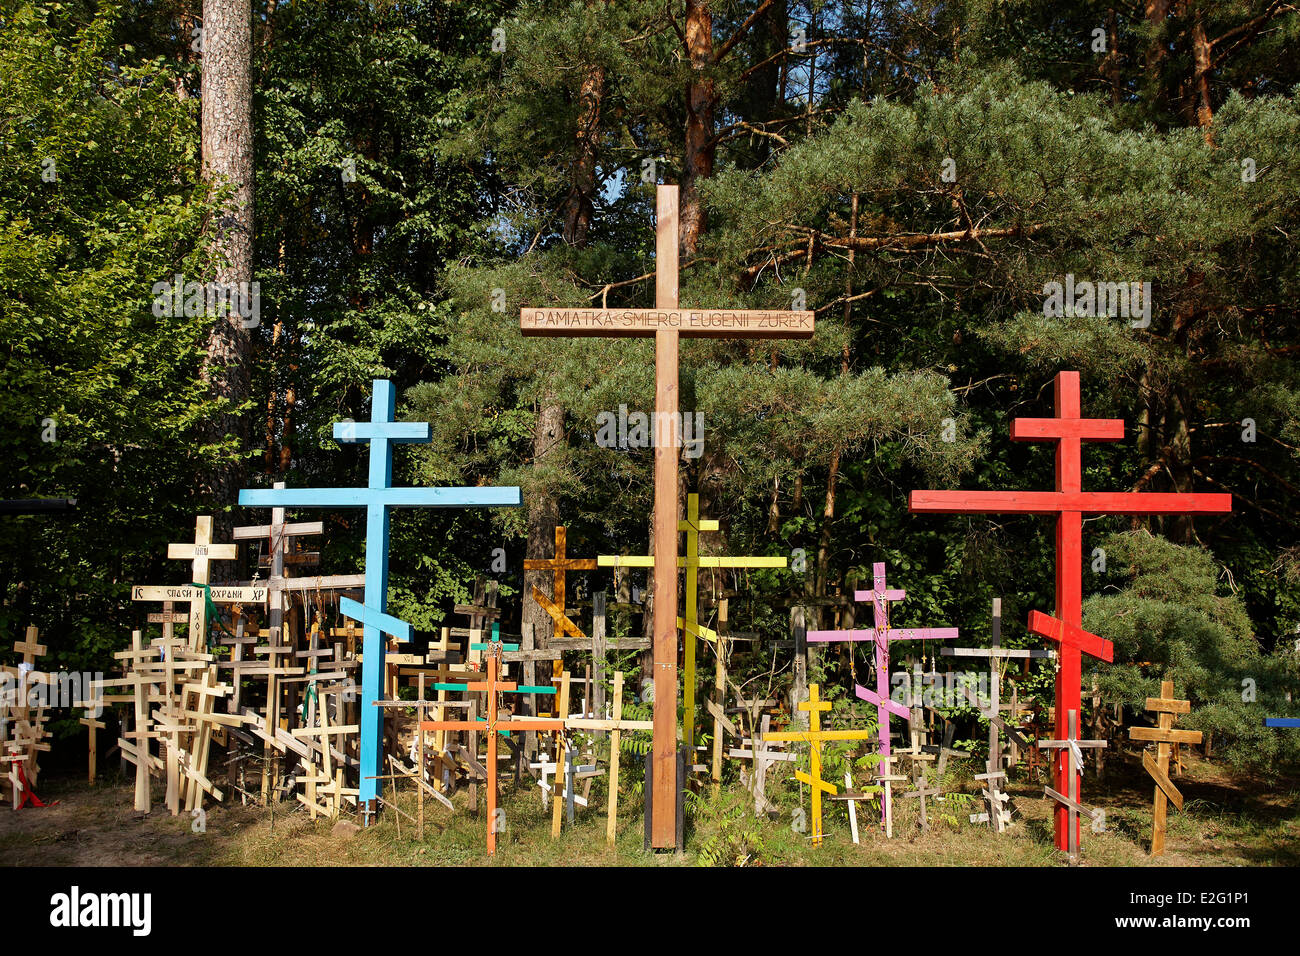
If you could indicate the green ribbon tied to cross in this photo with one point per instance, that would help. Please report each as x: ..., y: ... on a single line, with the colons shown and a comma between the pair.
x: 210, y: 615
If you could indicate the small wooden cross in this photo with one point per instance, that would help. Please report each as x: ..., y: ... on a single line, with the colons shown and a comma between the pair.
x: 816, y: 737
x: 30, y: 649
x: 492, y: 686
x: 922, y: 791
x: 1163, y: 734
x: 615, y: 725
x: 199, y: 553
x: 763, y: 756
x: 666, y: 323
x: 1071, y: 747
x: 92, y: 724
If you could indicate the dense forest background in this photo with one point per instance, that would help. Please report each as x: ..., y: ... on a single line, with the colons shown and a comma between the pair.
x: 915, y: 171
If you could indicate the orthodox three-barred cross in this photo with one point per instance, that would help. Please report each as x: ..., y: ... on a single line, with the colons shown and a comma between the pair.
x: 1069, y: 503
x: 379, y: 497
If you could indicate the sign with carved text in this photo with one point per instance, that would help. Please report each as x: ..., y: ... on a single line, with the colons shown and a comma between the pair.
x: 699, y: 323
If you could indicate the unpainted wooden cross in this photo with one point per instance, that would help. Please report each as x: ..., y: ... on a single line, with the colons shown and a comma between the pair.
x: 666, y: 323
x: 1072, y: 748
x: 1163, y: 734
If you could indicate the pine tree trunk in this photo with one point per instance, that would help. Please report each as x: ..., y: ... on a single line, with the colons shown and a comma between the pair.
x: 543, y: 516
x: 1157, y: 12
x: 579, y: 204
x: 548, y: 430
x: 701, y: 99
x: 1201, y: 76
x: 227, y: 134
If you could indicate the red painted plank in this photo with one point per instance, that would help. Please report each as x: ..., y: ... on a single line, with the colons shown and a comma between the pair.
x: 1082, y: 429
x: 1071, y: 635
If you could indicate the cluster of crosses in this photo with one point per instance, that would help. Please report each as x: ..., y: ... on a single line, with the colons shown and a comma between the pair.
x: 666, y: 323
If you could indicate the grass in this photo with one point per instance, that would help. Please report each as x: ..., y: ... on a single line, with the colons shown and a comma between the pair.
x: 1228, y: 820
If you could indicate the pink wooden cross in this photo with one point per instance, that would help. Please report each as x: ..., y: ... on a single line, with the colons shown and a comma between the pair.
x: 880, y: 595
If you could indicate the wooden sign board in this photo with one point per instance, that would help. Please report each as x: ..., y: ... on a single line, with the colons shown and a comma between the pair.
x: 690, y: 323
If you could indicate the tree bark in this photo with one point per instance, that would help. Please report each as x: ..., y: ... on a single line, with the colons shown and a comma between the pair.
x: 227, y: 134
x: 701, y: 100
x: 579, y: 204
x: 1201, y: 76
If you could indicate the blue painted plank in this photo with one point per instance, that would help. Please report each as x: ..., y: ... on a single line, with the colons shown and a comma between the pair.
x: 385, y: 623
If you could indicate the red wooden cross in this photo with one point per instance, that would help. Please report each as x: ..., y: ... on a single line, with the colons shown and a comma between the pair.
x: 1069, y: 502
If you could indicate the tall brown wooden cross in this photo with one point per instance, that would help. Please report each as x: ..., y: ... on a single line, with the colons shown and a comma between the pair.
x: 667, y: 323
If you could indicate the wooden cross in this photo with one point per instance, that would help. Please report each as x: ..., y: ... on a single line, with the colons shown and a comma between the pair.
x: 92, y: 724
x: 880, y: 596
x: 378, y: 498
x: 922, y: 791
x: 1069, y: 503
x: 558, y: 565
x: 199, y: 553
x: 666, y: 323
x: 693, y: 562
x: 140, y: 731
x: 997, y: 816
x: 493, y: 686
x: 30, y: 649
x: 1163, y: 734
x: 615, y: 725
x: 763, y: 756
x: 816, y: 737
x: 1071, y: 748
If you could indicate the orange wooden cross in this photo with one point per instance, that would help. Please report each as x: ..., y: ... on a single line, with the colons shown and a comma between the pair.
x: 493, y: 686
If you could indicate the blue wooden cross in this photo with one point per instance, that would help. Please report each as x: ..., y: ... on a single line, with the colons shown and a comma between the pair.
x: 377, y: 498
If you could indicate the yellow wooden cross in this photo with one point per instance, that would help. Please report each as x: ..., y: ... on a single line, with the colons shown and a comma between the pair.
x: 689, y: 623
x: 1163, y: 734
x: 814, y: 736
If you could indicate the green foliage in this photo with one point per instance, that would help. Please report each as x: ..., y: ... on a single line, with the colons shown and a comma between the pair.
x: 1173, y: 620
x: 725, y: 829
x: 102, y: 399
